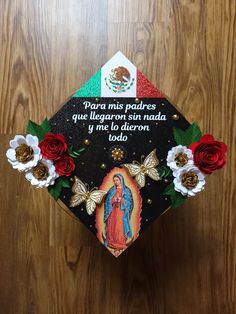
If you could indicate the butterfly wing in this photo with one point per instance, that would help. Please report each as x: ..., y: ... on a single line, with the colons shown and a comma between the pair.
x: 90, y: 206
x: 79, y: 190
x: 76, y: 200
x: 140, y: 179
x: 151, y: 160
x: 78, y: 186
x: 95, y: 197
x: 132, y: 169
x: 135, y: 170
x: 153, y: 174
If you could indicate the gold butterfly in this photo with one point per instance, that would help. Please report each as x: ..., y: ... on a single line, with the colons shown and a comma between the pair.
x: 82, y: 194
x: 139, y: 171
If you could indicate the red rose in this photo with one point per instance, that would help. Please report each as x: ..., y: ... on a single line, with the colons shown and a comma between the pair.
x: 53, y: 146
x: 209, y: 154
x: 65, y: 166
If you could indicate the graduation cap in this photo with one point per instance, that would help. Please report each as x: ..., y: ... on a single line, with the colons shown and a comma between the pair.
x: 121, y: 154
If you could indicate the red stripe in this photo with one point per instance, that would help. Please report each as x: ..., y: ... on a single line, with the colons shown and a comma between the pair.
x: 145, y: 88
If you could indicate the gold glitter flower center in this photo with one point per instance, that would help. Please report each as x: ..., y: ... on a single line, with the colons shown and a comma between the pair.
x: 181, y: 159
x: 24, y: 153
x: 40, y: 172
x: 189, y: 180
x: 117, y: 154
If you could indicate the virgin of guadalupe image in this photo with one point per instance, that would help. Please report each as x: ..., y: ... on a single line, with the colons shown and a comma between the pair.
x: 118, y: 208
x: 118, y: 217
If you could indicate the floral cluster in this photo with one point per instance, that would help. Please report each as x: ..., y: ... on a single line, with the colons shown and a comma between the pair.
x: 190, y: 165
x: 54, y: 147
x: 43, y: 162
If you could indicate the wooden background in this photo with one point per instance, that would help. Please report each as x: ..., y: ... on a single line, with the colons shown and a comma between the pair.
x: 185, y: 262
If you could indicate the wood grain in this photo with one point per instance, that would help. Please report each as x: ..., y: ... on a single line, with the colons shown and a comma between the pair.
x: 185, y: 262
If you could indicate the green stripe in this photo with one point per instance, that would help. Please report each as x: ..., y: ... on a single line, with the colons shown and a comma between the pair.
x: 92, y: 88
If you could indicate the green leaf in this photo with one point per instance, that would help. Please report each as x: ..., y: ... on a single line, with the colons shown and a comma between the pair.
x: 65, y: 182
x: 75, y: 153
x: 45, y: 126
x: 190, y: 135
x: 179, y: 136
x: 81, y: 150
x: 193, y: 133
x: 55, y: 190
x: 176, y: 198
x: 164, y: 171
x: 38, y: 130
x: 169, y: 190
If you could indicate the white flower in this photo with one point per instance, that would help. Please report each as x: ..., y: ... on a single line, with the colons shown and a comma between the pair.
x: 189, y: 180
x: 24, y: 152
x: 178, y: 157
x: 43, y: 174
